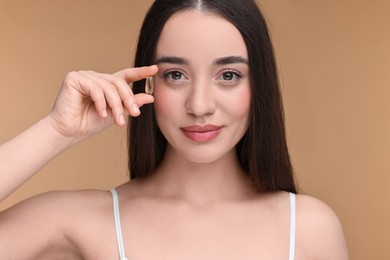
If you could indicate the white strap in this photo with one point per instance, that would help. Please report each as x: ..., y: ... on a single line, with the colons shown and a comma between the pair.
x: 118, y: 228
x: 292, y: 226
x: 119, y: 236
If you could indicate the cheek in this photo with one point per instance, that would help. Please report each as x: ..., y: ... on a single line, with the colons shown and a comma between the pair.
x: 164, y: 101
x: 239, y: 103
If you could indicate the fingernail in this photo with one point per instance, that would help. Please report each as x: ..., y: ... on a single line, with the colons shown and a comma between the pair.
x: 122, y: 120
x: 135, y: 108
x: 104, y: 113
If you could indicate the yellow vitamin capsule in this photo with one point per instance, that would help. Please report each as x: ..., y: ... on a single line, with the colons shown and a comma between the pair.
x: 149, y: 85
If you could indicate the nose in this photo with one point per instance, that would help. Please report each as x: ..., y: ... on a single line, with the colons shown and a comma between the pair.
x: 200, y: 100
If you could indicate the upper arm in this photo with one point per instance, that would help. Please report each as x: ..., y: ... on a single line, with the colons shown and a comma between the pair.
x: 34, y: 229
x: 319, y: 230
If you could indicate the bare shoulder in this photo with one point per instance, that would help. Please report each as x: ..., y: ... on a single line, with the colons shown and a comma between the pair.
x: 319, y: 231
x: 47, y: 219
x: 60, y: 203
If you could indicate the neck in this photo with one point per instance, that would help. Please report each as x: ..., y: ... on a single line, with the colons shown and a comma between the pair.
x: 202, y: 183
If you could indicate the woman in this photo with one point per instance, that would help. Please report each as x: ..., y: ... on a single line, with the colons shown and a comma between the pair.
x: 211, y: 174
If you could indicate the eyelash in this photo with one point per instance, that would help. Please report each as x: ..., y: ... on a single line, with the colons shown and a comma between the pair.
x: 234, y: 72
x: 168, y: 74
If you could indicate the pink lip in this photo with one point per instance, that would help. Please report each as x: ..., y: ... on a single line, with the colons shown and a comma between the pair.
x: 200, y: 133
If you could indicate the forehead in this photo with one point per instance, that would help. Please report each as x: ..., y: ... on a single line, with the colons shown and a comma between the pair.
x: 198, y: 34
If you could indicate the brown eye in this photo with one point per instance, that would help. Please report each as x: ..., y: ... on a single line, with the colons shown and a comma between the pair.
x: 228, y: 76
x: 176, y: 75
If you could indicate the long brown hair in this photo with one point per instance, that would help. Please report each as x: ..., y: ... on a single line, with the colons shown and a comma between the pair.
x: 262, y: 151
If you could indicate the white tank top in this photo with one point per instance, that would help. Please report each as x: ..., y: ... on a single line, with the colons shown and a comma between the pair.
x: 119, y: 237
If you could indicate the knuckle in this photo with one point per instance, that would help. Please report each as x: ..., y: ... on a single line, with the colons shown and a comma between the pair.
x: 86, y: 71
x: 117, y: 107
x: 99, y: 100
x: 98, y: 96
x: 71, y: 74
x: 116, y: 80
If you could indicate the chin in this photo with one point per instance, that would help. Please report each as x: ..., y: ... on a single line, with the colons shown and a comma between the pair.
x: 204, y: 156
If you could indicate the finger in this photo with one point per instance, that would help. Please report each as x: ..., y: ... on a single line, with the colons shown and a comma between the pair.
x: 135, y: 74
x: 130, y: 101
x: 140, y: 100
x: 83, y: 83
x: 114, y: 102
x: 126, y: 95
x: 120, y: 98
x: 103, y: 92
x: 99, y: 100
x: 143, y: 99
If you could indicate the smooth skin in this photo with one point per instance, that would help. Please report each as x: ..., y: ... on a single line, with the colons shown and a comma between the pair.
x: 199, y: 204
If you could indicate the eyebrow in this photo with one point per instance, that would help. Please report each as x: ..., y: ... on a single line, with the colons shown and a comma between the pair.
x: 230, y: 60
x: 220, y: 61
x: 172, y: 60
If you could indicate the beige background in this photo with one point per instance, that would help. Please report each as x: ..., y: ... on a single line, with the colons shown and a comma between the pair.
x: 334, y: 58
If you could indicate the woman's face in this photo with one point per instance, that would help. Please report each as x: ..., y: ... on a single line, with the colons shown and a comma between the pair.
x: 202, y: 90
